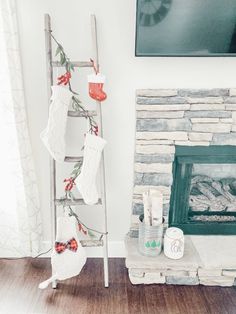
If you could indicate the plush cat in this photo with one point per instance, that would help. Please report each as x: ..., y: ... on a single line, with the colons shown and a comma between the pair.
x: 68, y: 256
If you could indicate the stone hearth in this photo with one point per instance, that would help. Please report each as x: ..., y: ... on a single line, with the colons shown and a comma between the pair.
x: 167, y: 118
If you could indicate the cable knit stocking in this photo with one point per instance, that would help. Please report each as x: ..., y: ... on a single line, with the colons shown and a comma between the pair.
x: 86, y: 181
x: 53, y: 136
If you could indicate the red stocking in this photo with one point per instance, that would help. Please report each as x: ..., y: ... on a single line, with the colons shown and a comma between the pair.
x: 96, y: 82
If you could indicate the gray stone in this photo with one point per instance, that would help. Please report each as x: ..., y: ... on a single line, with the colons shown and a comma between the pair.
x: 208, y: 107
x: 176, y: 273
x: 147, y: 280
x: 156, y: 92
x: 176, y: 135
x: 232, y: 92
x: 229, y: 272
x: 154, y: 142
x: 200, y: 136
x: 227, y: 120
x: 203, y: 92
x: 153, y: 179
x: 148, y: 159
x: 192, y: 143
x: 190, y: 281
x: 204, y: 272
x: 133, y: 233
x: 221, y: 281
x: 159, y: 114
x: 208, y: 114
x: 212, y: 127
x: 206, y: 100
x: 140, y: 189
x: 230, y: 107
x: 234, y: 117
x: 138, y: 209
x: 155, y: 149
x: 136, y: 272
x: 154, y: 167
x: 224, y: 139
x: 163, y: 125
x: 163, y: 107
x: 206, y: 120
x: 161, y: 100
x: 230, y: 100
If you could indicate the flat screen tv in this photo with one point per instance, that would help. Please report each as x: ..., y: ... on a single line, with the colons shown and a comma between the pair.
x: 185, y: 28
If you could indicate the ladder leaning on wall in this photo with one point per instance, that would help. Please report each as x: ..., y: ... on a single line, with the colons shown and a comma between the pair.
x: 54, y: 202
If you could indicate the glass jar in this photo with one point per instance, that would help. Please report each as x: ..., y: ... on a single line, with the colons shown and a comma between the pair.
x: 150, y: 238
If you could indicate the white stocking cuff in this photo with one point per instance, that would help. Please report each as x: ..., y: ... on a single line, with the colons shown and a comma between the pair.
x: 94, y: 142
x: 62, y: 93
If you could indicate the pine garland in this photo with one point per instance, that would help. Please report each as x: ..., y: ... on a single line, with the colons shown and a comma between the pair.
x: 65, y: 79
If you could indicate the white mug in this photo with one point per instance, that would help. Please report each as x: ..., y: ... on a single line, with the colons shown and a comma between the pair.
x: 174, y: 243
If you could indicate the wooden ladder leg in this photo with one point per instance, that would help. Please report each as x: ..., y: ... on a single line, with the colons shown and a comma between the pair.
x: 48, y: 45
x: 104, y: 205
x: 102, y: 168
x: 105, y: 262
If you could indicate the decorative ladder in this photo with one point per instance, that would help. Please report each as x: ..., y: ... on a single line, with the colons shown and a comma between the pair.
x: 51, y: 65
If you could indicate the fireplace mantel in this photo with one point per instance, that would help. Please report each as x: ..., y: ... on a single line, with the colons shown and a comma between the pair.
x: 166, y: 119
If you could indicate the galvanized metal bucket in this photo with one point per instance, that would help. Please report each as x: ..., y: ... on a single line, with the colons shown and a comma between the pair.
x: 150, y: 238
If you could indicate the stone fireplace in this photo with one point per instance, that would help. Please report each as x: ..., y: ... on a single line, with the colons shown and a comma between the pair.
x: 186, y: 147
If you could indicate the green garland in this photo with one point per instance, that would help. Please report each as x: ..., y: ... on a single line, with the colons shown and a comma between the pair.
x: 76, y: 105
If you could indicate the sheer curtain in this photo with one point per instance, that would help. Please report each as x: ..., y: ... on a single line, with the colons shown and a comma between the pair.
x: 20, y: 221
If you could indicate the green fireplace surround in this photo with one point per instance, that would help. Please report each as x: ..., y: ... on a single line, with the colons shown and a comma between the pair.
x: 185, y: 157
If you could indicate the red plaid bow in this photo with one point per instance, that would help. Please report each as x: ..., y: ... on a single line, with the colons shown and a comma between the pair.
x: 72, y: 245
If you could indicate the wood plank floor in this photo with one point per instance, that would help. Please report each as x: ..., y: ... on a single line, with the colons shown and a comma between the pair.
x: 85, y: 293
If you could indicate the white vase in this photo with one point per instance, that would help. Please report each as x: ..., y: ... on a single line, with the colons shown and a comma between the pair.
x: 174, y: 243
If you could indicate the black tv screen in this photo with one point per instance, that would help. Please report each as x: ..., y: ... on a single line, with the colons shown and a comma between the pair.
x: 185, y: 28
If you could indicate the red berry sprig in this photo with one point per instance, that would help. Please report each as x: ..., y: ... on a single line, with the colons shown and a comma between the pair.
x: 64, y: 79
x: 70, y: 184
x: 81, y: 229
x: 95, y: 130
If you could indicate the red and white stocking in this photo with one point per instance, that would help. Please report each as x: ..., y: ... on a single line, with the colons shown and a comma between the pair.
x: 96, y: 82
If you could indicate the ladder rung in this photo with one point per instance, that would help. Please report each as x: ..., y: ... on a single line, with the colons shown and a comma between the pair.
x: 78, y: 64
x: 77, y: 201
x: 85, y: 113
x: 90, y: 243
x: 73, y: 159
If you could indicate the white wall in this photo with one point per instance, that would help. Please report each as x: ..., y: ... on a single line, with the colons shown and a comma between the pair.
x: 125, y: 74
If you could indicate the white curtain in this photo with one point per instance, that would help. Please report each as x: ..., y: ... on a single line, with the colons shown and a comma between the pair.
x: 20, y: 221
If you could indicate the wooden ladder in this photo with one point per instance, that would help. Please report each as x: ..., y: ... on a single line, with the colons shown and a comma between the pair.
x: 54, y: 202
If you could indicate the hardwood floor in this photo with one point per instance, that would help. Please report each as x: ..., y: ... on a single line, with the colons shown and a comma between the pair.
x: 85, y: 294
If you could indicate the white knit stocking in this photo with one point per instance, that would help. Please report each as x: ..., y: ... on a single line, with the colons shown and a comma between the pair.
x: 68, y: 263
x: 86, y: 181
x: 54, y: 135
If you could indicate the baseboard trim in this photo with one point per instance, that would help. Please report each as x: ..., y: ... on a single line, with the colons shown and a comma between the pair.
x: 115, y: 249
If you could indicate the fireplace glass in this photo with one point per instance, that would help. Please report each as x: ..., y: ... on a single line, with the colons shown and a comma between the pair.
x: 203, y: 196
x: 212, y: 194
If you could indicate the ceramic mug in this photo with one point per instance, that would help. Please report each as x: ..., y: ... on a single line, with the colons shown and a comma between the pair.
x: 174, y: 243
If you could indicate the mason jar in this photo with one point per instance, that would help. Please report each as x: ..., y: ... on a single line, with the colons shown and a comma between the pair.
x: 150, y: 238
x: 174, y: 243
